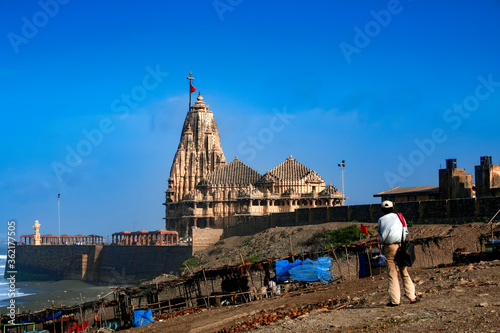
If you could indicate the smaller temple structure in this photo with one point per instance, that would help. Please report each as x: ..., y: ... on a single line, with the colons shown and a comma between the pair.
x: 63, y: 239
x: 37, y: 239
x: 143, y: 237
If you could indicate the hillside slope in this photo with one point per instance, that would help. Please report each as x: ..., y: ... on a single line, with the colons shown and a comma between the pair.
x: 278, y: 242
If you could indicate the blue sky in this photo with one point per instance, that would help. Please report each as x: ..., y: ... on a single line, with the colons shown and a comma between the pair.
x: 392, y: 87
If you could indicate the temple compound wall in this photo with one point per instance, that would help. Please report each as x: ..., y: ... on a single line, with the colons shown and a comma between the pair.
x: 448, y: 211
x: 105, y: 263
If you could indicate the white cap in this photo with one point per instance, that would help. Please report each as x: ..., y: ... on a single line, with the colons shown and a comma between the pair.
x: 387, y: 204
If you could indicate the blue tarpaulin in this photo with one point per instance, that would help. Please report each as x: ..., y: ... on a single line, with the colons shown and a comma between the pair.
x: 44, y: 319
x: 283, y: 267
x: 306, y: 271
x: 143, y: 317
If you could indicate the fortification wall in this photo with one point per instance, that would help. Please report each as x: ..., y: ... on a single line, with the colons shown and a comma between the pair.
x: 108, y: 263
x: 450, y: 211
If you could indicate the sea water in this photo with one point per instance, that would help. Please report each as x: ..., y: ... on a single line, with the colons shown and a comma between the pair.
x: 4, y: 286
x: 36, y: 295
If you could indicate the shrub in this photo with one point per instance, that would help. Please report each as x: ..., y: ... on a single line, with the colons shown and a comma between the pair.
x: 192, y: 262
x: 345, y: 235
x: 255, y: 258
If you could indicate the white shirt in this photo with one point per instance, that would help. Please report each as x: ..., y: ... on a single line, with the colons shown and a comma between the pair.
x: 390, y: 229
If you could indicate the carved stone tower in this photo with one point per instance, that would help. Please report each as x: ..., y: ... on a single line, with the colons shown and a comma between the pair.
x: 199, y: 154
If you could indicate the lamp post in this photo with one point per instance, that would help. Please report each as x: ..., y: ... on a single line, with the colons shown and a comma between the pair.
x: 342, y: 167
x: 59, y: 216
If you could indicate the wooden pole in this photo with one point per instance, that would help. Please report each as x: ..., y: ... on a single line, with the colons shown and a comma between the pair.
x: 189, y: 270
x: 493, y: 245
x: 357, y: 264
x: 492, y: 236
x: 188, y: 298
x: 241, y: 257
x: 348, y: 264
x: 53, y: 320
x: 430, y: 252
x: 249, y: 272
x: 206, y: 286
x: 369, y: 262
x: 418, y: 259
x: 201, y: 294
x: 81, y: 313
x: 338, y: 264
x: 157, y: 298
x: 103, y: 315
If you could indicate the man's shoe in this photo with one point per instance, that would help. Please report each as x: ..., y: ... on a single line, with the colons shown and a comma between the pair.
x: 391, y: 304
x: 416, y: 300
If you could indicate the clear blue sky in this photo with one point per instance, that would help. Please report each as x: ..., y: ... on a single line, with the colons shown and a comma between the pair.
x: 393, y: 88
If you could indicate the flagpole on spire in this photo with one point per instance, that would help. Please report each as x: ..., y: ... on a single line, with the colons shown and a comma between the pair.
x: 191, y: 88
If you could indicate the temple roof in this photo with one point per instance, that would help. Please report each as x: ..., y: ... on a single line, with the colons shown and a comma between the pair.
x: 234, y: 173
x: 330, y: 190
x: 291, y: 170
x: 267, y: 178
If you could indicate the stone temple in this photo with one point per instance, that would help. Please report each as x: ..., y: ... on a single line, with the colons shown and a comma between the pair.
x: 206, y: 191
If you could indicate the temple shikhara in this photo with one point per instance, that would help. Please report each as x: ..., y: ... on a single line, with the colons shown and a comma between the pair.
x: 206, y: 191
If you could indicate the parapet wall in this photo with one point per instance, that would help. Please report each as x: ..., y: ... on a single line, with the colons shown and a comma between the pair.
x: 450, y: 211
x: 106, y: 263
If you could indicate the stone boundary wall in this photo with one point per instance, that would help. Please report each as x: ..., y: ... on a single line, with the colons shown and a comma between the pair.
x: 104, y: 263
x: 53, y: 262
x: 202, y: 238
x: 449, y: 211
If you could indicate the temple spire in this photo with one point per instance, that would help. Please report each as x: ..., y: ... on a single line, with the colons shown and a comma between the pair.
x: 199, y: 152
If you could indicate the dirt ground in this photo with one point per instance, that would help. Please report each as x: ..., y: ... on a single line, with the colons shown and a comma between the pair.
x: 453, y: 298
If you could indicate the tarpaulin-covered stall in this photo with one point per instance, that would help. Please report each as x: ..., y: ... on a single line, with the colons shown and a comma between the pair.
x: 305, y: 271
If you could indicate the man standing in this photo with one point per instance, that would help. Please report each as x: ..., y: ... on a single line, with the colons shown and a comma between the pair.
x: 391, y: 228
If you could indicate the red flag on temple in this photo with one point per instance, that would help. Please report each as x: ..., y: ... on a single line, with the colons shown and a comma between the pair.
x: 364, y: 230
x: 191, y: 88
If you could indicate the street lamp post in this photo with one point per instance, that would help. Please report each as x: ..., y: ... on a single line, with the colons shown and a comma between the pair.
x: 342, y: 167
x: 59, y: 217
